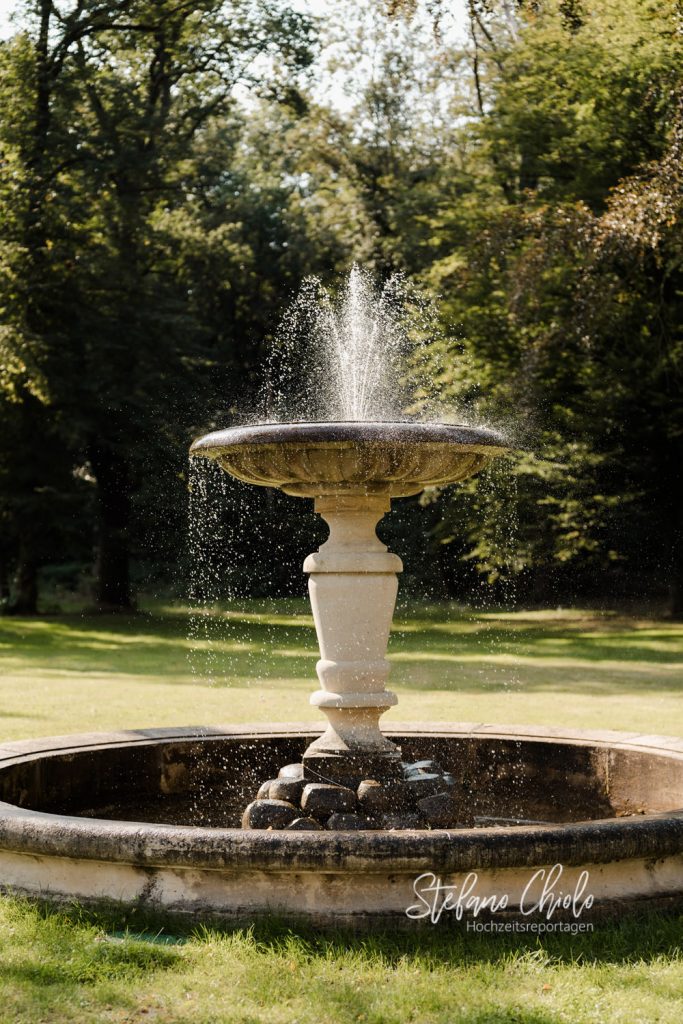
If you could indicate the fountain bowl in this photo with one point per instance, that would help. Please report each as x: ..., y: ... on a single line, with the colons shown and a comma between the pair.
x: 319, y: 459
x: 148, y: 819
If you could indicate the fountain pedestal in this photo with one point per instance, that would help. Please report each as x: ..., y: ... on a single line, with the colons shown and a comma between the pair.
x: 352, y: 777
x: 352, y: 586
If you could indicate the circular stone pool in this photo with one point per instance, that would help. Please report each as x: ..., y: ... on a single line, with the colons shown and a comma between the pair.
x: 151, y: 818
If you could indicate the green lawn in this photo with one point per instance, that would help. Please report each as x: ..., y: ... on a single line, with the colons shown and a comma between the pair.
x: 68, y: 968
x: 577, y: 669
x: 72, y: 673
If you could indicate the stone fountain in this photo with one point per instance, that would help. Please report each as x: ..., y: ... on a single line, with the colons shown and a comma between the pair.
x: 353, y: 776
x: 350, y: 825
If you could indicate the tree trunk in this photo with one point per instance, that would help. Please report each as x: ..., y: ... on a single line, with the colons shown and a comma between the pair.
x: 113, y: 591
x: 4, y: 581
x: 676, y: 589
x: 25, y: 601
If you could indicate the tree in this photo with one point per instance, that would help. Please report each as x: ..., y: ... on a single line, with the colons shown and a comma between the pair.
x: 570, y: 329
x: 111, y: 101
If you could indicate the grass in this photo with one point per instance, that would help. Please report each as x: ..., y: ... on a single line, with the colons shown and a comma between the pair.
x: 575, y: 668
x: 74, y: 967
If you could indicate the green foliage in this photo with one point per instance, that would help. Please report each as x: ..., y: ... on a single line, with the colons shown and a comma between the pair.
x: 170, y: 175
x: 563, y: 271
x: 121, y: 212
x: 576, y: 107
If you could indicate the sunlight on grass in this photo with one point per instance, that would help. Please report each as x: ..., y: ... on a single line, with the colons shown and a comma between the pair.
x: 572, y: 668
x: 95, y: 967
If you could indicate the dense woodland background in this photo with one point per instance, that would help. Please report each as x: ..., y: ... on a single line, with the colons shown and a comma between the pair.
x: 172, y: 169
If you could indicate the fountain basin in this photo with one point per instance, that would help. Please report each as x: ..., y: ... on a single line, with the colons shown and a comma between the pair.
x: 150, y: 819
x: 316, y: 459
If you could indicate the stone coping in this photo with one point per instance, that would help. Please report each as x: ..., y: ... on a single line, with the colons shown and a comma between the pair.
x: 351, y: 432
x: 668, y: 746
x: 152, y: 845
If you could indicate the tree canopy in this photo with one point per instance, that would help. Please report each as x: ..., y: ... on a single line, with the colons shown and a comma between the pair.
x: 171, y: 171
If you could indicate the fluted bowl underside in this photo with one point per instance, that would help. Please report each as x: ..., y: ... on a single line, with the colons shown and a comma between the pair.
x: 315, y: 459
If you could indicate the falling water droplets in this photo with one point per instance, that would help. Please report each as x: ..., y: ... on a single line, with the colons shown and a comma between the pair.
x: 367, y: 353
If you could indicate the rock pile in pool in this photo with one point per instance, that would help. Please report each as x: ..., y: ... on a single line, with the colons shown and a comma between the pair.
x: 424, y: 796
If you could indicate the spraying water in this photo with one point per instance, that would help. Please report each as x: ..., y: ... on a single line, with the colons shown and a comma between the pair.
x: 364, y: 355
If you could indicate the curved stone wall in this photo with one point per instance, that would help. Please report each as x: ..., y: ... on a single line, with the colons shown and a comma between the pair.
x: 147, y: 817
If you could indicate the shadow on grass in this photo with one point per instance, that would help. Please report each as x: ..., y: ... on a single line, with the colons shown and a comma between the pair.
x: 465, y: 654
x: 36, y: 716
x: 635, y: 938
x: 127, y: 962
x: 68, y: 947
x: 644, y: 938
x: 71, y: 951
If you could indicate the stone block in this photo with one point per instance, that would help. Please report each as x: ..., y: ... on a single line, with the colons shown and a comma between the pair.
x: 439, y: 811
x: 350, y: 770
x: 424, y: 784
x: 373, y: 797
x: 400, y: 798
x: 286, y: 789
x: 349, y: 823
x: 264, y: 790
x: 427, y: 765
x: 304, y: 825
x: 269, y: 814
x: 291, y: 771
x: 321, y: 799
x: 402, y: 821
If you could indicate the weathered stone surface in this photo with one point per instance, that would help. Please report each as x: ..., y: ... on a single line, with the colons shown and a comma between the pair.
x: 264, y: 790
x: 424, y: 784
x: 349, y: 823
x: 440, y: 811
x: 226, y: 872
x: 269, y: 814
x: 303, y: 825
x: 372, y: 797
x: 286, y: 789
x: 400, y: 798
x: 283, y: 454
x: 402, y: 821
x: 321, y: 799
x: 292, y: 771
x: 350, y: 770
x: 486, y: 821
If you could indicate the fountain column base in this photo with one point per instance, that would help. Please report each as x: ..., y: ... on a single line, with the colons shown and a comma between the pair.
x: 353, y: 586
x: 351, y: 768
x: 352, y: 777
